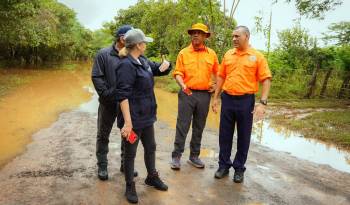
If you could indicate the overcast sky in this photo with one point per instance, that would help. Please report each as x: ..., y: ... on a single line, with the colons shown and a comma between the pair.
x: 92, y: 14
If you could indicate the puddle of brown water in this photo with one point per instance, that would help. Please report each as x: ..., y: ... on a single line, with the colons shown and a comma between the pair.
x: 37, y: 104
x: 207, y: 153
x: 167, y: 110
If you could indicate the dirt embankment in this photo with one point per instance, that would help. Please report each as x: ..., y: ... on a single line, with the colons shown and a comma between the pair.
x: 59, y: 168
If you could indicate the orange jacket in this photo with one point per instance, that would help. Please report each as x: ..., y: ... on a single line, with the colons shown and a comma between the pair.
x: 197, y: 67
x: 243, y: 71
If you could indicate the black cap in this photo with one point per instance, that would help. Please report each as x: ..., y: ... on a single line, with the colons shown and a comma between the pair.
x: 121, y: 31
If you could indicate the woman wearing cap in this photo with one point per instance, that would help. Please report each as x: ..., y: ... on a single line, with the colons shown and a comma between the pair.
x: 138, y: 105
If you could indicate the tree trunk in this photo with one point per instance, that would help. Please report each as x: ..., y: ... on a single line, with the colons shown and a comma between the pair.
x: 36, y: 57
x: 312, y: 83
x: 269, y: 37
x: 212, y: 24
x: 325, y: 82
x: 13, y: 53
x: 344, y: 86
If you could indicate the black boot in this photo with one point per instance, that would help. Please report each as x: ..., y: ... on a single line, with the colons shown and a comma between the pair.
x: 154, y: 180
x: 238, y: 177
x: 102, y: 173
x: 130, y: 193
x: 221, y: 173
x: 122, y: 171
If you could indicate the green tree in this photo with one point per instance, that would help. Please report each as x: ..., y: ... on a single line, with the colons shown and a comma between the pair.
x: 36, y: 31
x: 264, y: 28
x: 314, y: 8
x: 167, y: 22
x: 329, y: 64
x: 322, y: 58
x: 343, y: 54
x: 295, y: 45
x: 101, y: 38
x: 338, y: 33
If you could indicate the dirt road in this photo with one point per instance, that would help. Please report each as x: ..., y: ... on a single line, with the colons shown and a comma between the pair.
x: 59, y: 168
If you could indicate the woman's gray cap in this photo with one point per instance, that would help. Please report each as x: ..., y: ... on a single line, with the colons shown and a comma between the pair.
x: 135, y: 36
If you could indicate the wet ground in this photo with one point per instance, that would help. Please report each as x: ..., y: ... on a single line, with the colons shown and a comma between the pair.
x: 58, y: 167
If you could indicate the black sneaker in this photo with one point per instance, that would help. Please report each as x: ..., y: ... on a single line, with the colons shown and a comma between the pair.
x: 130, y: 193
x: 238, y: 177
x: 122, y: 171
x: 154, y: 180
x: 102, y: 173
x: 221, y: 173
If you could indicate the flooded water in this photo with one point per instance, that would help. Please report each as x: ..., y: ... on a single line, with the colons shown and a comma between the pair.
x: 313, y: 150
x: 37, y: 104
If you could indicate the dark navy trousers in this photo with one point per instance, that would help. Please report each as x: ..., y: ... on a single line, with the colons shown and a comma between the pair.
x: 235, y: 110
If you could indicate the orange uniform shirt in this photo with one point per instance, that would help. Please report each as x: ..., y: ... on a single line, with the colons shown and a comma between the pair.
x: 197, y: 67
x: 243, y: 71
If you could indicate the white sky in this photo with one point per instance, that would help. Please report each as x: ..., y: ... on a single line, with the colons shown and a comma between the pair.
x: 92, y: 14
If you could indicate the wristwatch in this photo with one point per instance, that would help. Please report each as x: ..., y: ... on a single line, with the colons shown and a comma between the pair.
x: 264, y: 102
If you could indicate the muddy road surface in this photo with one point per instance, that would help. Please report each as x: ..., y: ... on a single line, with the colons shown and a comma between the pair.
x: 59, y: 167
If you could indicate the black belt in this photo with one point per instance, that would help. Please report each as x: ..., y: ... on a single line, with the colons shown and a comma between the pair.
x: 239, y: 96
x: 199, y: 90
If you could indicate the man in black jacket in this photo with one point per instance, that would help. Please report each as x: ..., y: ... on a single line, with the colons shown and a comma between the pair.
x: 104, y: 80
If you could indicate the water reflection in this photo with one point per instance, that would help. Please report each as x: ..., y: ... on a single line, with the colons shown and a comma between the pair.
x: 92, y: 105
x: 313, y: 150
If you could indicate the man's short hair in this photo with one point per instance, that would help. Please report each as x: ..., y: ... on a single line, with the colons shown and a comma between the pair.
x: 245, y: 29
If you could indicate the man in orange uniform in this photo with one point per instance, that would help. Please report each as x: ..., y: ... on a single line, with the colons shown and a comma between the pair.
x: 195, y: 67
x: 241, y: 70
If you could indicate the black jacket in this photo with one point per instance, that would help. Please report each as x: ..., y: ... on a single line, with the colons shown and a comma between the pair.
x: 135, y: 82
x: 103, y: 74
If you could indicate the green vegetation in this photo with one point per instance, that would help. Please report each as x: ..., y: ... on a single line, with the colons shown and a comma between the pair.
x: 167, y: 22
x: 314, y: 9
x: 329, y: 126
x: 302, y: 69
x: 167, y: 83
x: 311, y: 103
x: 40, y: 31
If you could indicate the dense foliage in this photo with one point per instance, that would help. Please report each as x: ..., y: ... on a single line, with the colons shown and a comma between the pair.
x: 35, y: 31
x: 303, y: 69
x: 167, y: 22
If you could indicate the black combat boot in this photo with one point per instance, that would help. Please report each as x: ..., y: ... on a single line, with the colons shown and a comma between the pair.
x: 102, y: 173
x: 130, y: 193
x: 154, y: 180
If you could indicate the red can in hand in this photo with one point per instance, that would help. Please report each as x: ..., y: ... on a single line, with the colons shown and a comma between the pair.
x: 132, y: 137
x: 187, y: 91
